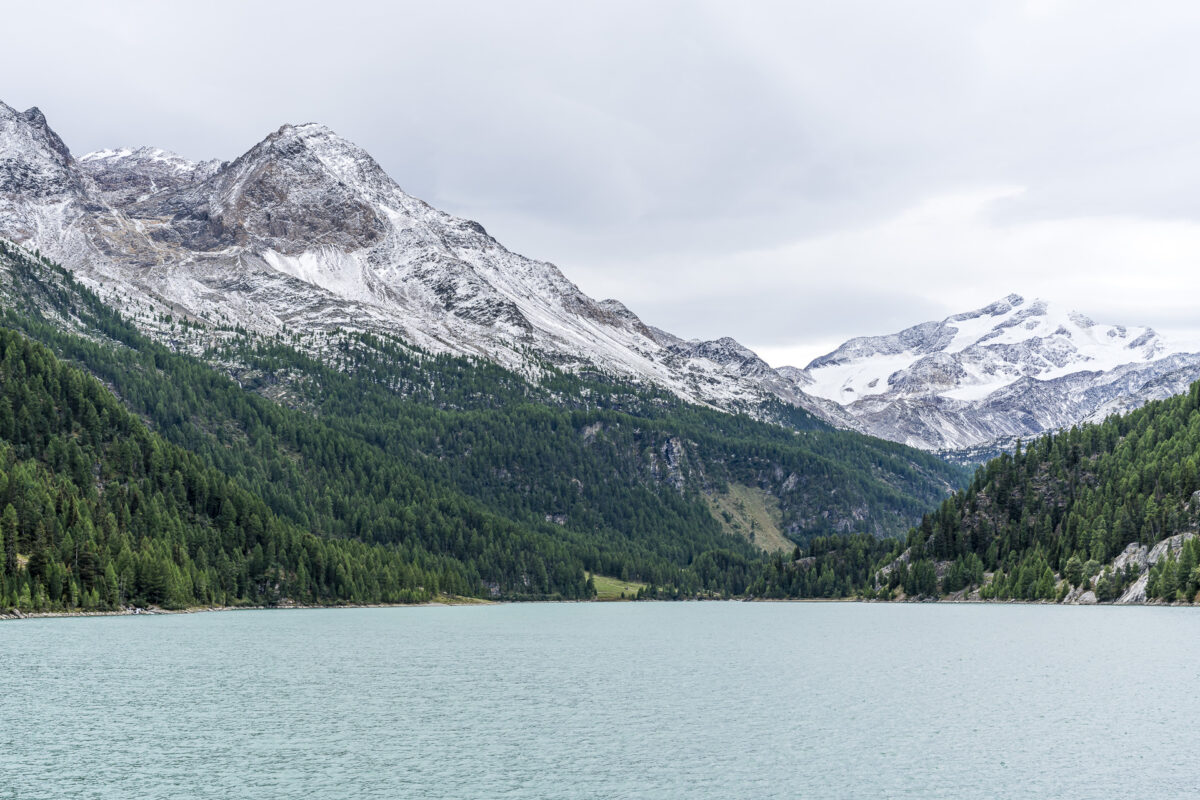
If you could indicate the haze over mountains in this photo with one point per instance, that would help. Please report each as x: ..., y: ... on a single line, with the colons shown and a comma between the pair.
x: 306, y: 233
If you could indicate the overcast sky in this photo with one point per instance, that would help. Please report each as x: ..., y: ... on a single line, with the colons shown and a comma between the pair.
x: 790, y: 174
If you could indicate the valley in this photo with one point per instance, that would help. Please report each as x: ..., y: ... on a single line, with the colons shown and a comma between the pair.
x: 359, y: 373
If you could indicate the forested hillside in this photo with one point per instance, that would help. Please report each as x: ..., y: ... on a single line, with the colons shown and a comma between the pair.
x: 1070, y: 504
x: 98, y: 512
x: 514, y: 488
x: 1110, y: 509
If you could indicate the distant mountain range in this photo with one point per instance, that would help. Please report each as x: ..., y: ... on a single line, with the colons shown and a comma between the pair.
x: 304, y: 235
x: 1015, y: 368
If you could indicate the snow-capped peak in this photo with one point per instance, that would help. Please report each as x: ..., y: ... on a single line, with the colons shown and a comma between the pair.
x: 310, y: 148
x: 34, y: 161
x: 968, y: 356
x: 305, y: 232
x: 127, y: 175
x: 141, y: 156
x: 1013, y: 368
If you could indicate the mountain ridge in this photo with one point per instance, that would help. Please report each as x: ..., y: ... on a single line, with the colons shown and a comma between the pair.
x: 305, y: 233
x: 305, y: 230
x: 1008, y: 370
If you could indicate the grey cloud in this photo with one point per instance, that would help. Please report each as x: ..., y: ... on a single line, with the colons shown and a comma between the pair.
x: 781, y: 319
x: 627, y: 138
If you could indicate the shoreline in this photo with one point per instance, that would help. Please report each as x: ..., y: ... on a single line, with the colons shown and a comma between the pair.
x: 13, y: 614
x: 10, y: 615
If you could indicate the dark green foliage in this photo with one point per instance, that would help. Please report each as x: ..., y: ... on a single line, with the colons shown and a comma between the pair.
x: 1049, y: 516
x: 964, y: 572
x: 498, y: 485
x: 1177, y: 577
x: 1077, y: 497
x: 600, y: 452
x: 100, y: 512
x: 828, y: 567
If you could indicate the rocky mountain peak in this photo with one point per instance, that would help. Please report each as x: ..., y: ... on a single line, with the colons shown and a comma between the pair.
x: 37, y: 120
x: 34, y: 161
x: 125, y: 176
x: 977, y: 352
x: 314, y: 153
x: 996, y: 309
x: 1012, y: 368
x: 300, y: 186
x: 725, y: 352
x: 306, y: 232
x: 305, y: 229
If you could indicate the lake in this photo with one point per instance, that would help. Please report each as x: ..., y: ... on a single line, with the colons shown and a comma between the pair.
x: 621, y: 700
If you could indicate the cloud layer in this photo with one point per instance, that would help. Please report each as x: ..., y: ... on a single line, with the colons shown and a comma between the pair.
x: 789, y: 174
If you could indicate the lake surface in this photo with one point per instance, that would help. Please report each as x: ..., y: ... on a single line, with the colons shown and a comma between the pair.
x: 649, y: 700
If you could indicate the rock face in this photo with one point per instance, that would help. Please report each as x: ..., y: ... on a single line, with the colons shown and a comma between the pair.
x: 124, y: 177
x: 305, y: 233
x: 1011, y: 369
x: 1142, y: 558
x: 34, y: 162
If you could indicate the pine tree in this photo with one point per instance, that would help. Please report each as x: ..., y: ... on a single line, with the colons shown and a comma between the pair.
x: 1073, y: 571
x: 9, y: 528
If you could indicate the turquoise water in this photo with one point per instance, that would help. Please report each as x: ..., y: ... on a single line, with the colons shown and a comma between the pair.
x: 696, y: 700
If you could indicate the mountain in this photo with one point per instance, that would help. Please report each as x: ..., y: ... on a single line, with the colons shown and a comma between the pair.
x: 127, y: 176
x: 1012, y: 369
x: 304, y: 236
x: 306, y: 233
x: 1104, y: 512
x: 100, y: 513
x: 445, y: 474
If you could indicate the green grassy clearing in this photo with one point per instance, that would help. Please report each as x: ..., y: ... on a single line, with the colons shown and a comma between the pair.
x: 612, y: 588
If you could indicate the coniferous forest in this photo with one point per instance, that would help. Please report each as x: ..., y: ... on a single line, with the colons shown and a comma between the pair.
x: 365, y: 471
x: 1091, y: 509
